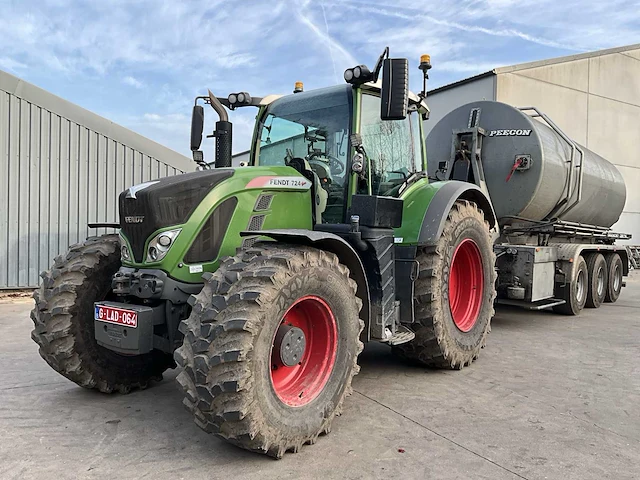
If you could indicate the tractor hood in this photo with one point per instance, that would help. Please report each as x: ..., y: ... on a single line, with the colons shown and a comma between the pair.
x: 146, y: 207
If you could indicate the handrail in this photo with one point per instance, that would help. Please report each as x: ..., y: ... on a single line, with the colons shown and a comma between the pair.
x: 572, y: 163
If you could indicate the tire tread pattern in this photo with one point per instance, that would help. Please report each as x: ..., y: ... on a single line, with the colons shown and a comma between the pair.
x: 59, y: 332
x: 219, y: 337
x: 431, y: 346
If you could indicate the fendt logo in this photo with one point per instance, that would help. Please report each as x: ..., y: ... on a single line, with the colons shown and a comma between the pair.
x: 509, y: 133
x: 134, y: 219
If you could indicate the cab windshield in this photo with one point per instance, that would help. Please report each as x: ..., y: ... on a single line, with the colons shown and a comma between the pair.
x: 312, y: 126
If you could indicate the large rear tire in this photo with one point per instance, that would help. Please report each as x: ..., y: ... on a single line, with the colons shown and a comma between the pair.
x: 63, y: 320
x: 598, y: 279
x: 614, y: 277
x: 574, y: 290
x: 455, y: 291
x: 271, y: 347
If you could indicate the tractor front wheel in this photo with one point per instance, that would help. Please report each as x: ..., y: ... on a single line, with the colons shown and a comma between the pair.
x: 64, y: 325
x: 271, y: 347
x: 455, y: 290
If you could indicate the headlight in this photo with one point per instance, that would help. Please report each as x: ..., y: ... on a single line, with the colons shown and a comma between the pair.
x: 125, y: 253
x: 160, y: 244
x: 348, y: 75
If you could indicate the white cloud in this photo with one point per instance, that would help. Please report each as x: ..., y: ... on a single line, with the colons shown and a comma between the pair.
x: 11, y: 65
x: 171, y: 51
x: 132, y: 82
x: 325, y: 38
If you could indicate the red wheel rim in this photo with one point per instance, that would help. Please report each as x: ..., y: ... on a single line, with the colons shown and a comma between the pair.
x: 298, y: 385
x: 466, y: 283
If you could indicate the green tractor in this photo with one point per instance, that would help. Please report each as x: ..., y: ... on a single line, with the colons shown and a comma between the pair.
x: 263, y: 282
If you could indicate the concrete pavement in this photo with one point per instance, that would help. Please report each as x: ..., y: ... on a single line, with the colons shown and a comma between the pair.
x: 550, y: 397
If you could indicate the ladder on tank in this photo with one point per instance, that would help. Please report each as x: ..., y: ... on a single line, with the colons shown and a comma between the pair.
x: 633, y: 252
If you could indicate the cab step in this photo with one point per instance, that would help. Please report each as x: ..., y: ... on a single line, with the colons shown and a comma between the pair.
x: 402, y: 335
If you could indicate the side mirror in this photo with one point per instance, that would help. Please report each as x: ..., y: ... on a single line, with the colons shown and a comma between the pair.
x: 197, y: 126
x: 395, y: 89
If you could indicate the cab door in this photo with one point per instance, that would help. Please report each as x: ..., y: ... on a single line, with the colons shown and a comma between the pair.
x: 395, y: 148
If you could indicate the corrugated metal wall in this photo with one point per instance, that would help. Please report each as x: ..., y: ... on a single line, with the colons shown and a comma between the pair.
x: 56, y: 176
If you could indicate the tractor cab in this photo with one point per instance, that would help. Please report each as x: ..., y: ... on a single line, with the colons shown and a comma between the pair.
x: 314, y: 133
x: 361, y: 138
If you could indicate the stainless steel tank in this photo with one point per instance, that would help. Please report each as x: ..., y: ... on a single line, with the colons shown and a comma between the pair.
x: 527, y: 166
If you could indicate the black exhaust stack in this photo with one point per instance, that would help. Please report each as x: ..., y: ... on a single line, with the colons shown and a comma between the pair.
x: 224, y: 137
x: 223, y: 134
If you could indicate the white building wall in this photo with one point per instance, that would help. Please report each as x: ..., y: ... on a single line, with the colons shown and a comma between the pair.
x: 442, y: 102
x: 596, y: 101
x: 240, y: 157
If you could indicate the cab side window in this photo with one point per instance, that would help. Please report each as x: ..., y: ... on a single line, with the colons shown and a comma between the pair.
x: 393, y: 146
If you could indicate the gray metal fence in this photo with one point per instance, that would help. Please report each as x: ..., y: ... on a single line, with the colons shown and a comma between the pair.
x: 62, y: 167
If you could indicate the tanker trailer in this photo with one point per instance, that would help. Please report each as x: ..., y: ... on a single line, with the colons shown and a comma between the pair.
x: 555, y: 201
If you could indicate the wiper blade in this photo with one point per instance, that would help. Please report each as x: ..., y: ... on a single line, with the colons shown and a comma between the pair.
x: 411, y: 179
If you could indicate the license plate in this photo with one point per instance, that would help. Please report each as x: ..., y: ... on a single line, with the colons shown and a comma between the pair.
x: 119, y: 316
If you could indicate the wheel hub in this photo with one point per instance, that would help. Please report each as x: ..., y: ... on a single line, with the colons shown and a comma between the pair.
x: 601, y: 282
x: 290, y: 343
x: 303, y: 351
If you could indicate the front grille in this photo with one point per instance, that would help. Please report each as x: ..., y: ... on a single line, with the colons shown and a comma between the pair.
x: 263, y: 203
x: 256, y: 223
x: 164, y: 203
x: 207, y: 244
x: 249, y: 241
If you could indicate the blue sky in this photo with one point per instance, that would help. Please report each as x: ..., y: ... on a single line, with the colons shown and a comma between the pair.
x: 141, y: 63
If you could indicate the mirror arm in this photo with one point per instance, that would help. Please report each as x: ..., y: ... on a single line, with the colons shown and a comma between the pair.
x: 202, y: 97
x: 376, y: 72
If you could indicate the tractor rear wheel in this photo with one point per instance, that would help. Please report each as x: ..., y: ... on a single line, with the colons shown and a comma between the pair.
x: 455, y: 291
x: 63, y: 320
x: 270, y: 347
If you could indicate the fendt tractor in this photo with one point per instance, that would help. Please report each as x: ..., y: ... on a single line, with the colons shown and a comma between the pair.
x: 262, y: 282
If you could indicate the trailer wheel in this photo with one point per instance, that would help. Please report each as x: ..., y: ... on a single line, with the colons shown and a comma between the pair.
x: 598, y: 280
x: 614, y: 277
x: 271, y: 347
x: 63, y: 320
x: 455, y: 291
x: 574, y: 291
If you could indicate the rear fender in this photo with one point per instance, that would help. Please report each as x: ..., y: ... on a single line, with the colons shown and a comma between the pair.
x: 436, y: 214
x: 334, y: 244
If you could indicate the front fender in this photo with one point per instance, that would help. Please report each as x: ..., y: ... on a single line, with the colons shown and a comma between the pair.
x: 441, y: 203
x: 334, y: 244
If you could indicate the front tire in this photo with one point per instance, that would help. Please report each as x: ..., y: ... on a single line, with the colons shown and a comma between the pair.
x: 455, y: 291
x: 241, y: 380
x: 64, y: 328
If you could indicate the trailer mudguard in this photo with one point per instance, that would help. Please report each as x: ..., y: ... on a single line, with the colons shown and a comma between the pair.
x: 436, y: 213
x: 331, y: 243
x: 569, y: 251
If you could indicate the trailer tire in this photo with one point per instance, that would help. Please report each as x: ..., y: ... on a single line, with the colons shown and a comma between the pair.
x: 598, y: 279
x: 574, y: 291
x: 451, y: 336
x: 63, y: 319
x: 236, y: 380
x: 614, y: 277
